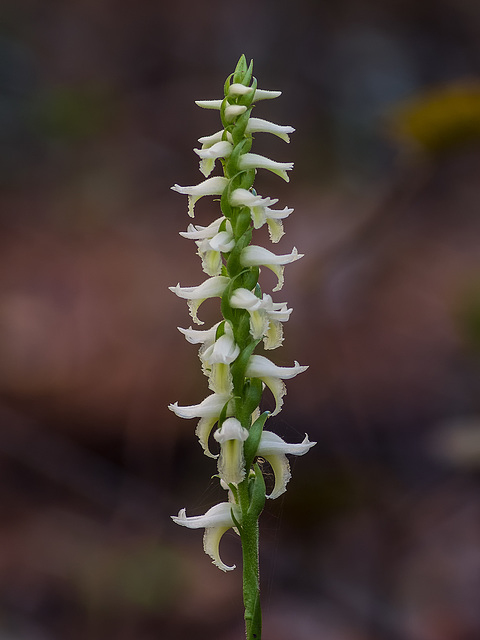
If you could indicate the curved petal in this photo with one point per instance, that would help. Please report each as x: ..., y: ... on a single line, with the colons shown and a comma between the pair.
x: 254, y: 256
x: 275, y: 230
x: 196, y: 336
x: 263, y: 94
x: 221, y: 149
x: 274, y: 450
x: 216, y: 522
x: 208, y: 141
x: 211, y: 546
x: 210, y: 187
x: 264, y: 126
x: 255, y: 161
x: 203, y: 431
x: 244, y: 198
x: 219, y: 515
x: 278, y: 389
x: 211, y: 288
x: 196, y: 232
x: 233, y: 111
x: 209, y: 407
x: 281, y: 471
x: 208, y: 155
x: 260, y: 367
x: 273, y: 444
x: 209, y: 104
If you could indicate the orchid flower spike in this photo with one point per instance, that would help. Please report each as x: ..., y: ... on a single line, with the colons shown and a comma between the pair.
x: 236, y: 374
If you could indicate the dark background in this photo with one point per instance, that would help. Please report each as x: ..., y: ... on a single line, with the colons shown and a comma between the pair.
x: 378, y: 536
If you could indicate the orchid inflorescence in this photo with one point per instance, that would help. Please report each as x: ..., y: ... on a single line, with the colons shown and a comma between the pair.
x: 236, y: 375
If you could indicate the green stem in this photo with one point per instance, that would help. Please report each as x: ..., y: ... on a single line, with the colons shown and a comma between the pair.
x: 251, y: 581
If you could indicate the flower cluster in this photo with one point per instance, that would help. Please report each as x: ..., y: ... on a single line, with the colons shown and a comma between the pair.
x: 236, y: 375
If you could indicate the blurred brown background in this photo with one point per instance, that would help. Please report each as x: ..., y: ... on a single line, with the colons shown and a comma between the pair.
x: 378, y: 536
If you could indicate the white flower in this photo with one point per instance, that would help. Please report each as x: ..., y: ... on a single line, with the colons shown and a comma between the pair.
x: 209, y: 104
x: 211, y: 288
x: 211, y: 243
x: 273, y: 218
x: 221, y: 149
x: 261, y: 212
x: 260, y: 94
x: 209, y: 187
x: 216, y: 359
x: 196, y: 232
x: 209, y: 407
x: 210, y: 250
x: 272, y: 376
x: 208, y: 411
x: 255, y: 161
x: 208, y: 141
x: 224, y: 350
x: 215, y: 356
x: 237, y: 89
x: 197, y: 336
x: 257, y: 125
x: 233, y: 111
x: 273, y: 449
x: 231, y: 462
x: 255, y: 256
x: 245, y: 198
x: 216, y: 521
x: 266, y: 316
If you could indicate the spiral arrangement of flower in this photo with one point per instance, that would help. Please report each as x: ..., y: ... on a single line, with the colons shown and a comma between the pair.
x: 237, y: 376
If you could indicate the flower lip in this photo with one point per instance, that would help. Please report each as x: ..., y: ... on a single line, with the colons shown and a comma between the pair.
x: 231, y: 462
x: 274, y: 450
